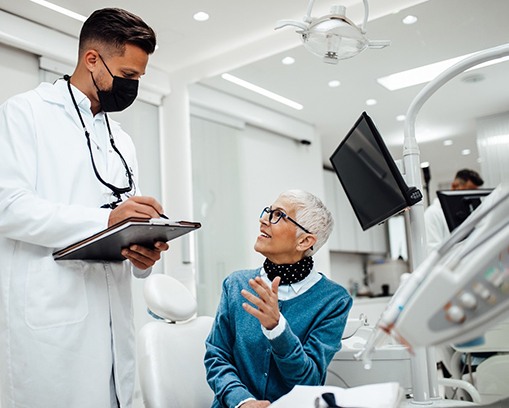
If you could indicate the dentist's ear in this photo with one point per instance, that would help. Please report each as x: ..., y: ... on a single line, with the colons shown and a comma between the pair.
x: 91, y: 57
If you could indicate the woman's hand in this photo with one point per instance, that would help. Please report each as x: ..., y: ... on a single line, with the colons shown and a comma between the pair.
x: 267, y: 307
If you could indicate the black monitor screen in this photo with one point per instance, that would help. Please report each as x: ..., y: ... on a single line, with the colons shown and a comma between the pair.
x: 457, y: 205
x: 372, y: 182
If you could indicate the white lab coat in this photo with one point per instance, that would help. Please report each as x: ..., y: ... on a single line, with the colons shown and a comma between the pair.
x: 436, y: 225
x: 63, y: 325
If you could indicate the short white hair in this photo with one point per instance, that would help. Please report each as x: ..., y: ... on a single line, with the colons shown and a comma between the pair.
x: 311, y: 213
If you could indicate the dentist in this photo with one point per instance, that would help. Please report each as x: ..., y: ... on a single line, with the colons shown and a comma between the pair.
x: 68, y: 171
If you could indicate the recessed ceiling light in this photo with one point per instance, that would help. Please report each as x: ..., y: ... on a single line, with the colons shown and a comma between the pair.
x: 201, y: 16
x: 371, y: 102
x: 262, y: 91
x: 409, y: 20
x: 60, y: 10
x: 448, y: 142
x: 288, y: 60
x: 465, y: 152
x: 334, y: 83
x: 400, y: 118
x: 426, y: 73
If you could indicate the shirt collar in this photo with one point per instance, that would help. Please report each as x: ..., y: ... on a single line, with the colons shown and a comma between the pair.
x: 307, y: 282
x: 81, y: 99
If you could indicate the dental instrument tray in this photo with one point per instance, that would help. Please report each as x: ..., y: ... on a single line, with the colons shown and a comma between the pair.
x: 107, y: 244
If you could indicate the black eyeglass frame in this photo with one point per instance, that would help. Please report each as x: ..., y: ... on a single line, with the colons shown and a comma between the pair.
x: 270, y: 211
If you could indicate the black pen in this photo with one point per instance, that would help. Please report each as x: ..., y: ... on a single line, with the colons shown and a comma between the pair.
x: 163, y: 216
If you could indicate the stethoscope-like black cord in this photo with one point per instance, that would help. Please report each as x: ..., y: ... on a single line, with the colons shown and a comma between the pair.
x: 117, y: 192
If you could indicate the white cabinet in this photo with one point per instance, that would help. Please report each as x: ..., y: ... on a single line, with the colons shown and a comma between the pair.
x: 348, y: 235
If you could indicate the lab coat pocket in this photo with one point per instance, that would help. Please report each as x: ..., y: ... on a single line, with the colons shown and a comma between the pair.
x: 55, y: 293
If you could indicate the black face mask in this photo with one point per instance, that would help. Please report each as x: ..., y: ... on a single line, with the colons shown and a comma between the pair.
x: 122, y: 94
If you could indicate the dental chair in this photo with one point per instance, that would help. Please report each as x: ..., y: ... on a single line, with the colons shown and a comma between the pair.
x: 171, y: 348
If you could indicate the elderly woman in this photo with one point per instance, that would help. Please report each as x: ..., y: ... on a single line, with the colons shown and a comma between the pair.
x: 279, y: 325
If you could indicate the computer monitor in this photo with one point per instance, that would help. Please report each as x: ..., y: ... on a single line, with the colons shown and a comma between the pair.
x: 371, y: 180
x: 457, y: 205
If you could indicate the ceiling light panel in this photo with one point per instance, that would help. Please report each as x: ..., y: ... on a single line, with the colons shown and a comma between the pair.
x: 426, y: 73
x: 262, y: 91
x: 61, y: 10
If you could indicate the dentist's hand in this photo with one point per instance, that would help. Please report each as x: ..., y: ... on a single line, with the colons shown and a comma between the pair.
x: 143, y: 207
x: 142, y: 257
x: 267, y: 307
x: 136, y: 206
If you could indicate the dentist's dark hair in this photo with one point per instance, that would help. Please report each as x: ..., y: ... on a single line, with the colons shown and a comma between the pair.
x: 116, y: 27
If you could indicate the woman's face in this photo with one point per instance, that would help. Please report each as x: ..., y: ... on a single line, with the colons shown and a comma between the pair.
x: 279, y: 242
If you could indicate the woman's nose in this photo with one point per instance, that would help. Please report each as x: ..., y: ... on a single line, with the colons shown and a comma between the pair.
x: 264, y: 219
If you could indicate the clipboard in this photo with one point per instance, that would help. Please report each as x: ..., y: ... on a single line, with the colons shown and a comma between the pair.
x: 107, y: 244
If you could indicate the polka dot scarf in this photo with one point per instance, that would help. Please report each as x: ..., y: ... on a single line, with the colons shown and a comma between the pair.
x: 289, y: 273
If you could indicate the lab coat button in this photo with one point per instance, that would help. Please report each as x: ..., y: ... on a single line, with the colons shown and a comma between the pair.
x: 265, y: 374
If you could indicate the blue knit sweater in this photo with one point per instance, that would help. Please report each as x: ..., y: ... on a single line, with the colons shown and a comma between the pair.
x: 242, y: 363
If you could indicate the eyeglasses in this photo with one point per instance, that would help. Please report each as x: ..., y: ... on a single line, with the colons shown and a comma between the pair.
x: 277, y: 214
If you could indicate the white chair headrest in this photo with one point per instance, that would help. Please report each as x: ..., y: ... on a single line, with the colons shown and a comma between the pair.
x: 168, y: 298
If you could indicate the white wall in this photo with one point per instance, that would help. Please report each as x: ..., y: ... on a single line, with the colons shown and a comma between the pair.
x: 19, y: 71
x: 348, y: 268
x: 493, y: 144
x: 221, y: 246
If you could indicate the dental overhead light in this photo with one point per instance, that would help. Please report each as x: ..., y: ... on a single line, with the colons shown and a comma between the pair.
x: 333, y: 37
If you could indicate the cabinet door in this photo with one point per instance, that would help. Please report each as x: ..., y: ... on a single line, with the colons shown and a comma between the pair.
x: 331, y: 185
x: 348, y: 235
x: 379, y: 239
x: 346, y: 224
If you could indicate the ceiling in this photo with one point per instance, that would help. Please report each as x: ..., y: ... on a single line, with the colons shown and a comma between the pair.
x: 240, y: 38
